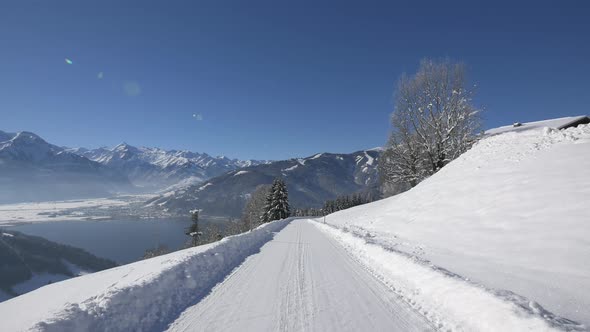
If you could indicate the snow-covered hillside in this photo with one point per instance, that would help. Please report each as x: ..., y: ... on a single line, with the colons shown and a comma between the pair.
x: 142, y: 296
x: 156, y: 168
x: 510, y: 214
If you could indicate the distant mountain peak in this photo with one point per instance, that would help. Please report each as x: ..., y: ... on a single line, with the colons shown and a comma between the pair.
x: 33, y: 169
x: 156, y: 168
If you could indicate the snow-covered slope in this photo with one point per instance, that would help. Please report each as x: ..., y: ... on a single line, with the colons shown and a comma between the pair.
x: 155, y: 168
x: 32, y: 169
x: 559, y: 123
x: 510, y: 214
x: 142, y: 296
x: 29, y: 262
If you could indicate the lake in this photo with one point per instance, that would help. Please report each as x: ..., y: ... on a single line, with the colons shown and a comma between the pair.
x: 122, y: 241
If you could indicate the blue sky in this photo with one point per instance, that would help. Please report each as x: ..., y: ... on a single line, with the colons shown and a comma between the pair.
x: 274, y: 79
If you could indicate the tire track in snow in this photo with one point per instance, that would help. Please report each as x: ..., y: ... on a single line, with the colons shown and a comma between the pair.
x: 301, y: 281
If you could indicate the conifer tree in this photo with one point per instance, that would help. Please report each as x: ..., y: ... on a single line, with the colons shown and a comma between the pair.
x: 277, y: 202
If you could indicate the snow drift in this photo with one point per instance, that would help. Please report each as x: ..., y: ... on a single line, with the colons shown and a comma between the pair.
x: 143, y: 296
x: 510, y: 214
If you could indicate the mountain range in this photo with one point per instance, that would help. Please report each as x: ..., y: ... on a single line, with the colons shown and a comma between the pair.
x: 32, y: 170
x: 155, y: 169
x: 310, y: 181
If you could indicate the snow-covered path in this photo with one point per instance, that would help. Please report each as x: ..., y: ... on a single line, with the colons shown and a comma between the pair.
x: 301, y: 280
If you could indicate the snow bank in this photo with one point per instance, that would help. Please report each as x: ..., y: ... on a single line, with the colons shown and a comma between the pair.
x: 448, y: 301
x: 511, y: 214
x: 143, y: 296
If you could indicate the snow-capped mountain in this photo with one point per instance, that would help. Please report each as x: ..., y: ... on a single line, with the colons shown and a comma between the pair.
x: 154, y: 168
x: 32, y: 169
x: 310, y: 182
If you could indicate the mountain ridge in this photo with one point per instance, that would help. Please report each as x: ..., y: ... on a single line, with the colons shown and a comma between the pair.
x: 310, y: 181
x: 155, y: 168
x: 32, y: 169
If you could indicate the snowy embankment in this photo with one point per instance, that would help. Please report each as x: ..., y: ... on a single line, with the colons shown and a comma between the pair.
x: 142, y: 296
x: 446, y: 300
x: 508, y: 218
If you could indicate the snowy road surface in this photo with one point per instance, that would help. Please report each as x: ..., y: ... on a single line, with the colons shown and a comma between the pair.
x: 300, y: 280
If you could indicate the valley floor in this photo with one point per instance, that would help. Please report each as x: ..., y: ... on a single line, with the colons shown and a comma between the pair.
x: 74, y: 209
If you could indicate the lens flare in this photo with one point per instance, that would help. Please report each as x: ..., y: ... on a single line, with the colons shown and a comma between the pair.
x: 69, y: 62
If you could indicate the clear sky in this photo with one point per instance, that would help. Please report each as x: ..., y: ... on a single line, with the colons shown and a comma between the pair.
x: 274, y: 79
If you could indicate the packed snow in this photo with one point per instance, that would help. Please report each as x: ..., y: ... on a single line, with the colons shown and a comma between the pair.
x: 510, y: 214
x: 301, y: 281
x: 448, y: 302
x: 142, y: 296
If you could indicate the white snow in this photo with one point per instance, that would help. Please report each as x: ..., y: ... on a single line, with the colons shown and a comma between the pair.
x: 7, y: 234
x: 316, y: 156
x: 449, y: 303
x: 552, y: 123
x: 369, y: 159
x: 301, y: 281
x: 183, y: 184
x: 240, y: 173
x: 142, y: 296
x: 47, y: 211
x: 38, y: 280
x: 510, y: 214
x: 205, y: 186
x: 290, y: 168
x: 495, y: 241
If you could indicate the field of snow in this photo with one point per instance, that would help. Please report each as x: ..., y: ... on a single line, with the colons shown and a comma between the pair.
x: 510, y: 214
x: 62, y: 210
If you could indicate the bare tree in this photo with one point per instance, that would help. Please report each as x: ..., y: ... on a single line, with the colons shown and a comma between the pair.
x: 434, y: 121
x: 255, y: 207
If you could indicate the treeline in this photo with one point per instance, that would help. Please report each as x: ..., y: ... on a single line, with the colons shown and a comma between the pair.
x: 340, y: 203
x: 345, y: 202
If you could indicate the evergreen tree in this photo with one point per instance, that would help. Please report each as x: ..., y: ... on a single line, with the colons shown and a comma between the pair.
x: 277, y: 202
